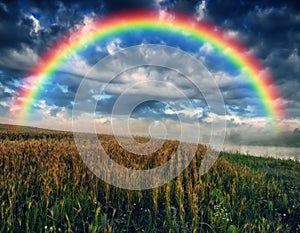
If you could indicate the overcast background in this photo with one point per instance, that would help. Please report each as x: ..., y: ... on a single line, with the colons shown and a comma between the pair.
x: 270, y: 29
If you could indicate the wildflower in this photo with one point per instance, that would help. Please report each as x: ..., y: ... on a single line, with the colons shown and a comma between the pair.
x: 46, y: 227
x: 173, y: 210
x: 266, y: 211
x: 164, y: 227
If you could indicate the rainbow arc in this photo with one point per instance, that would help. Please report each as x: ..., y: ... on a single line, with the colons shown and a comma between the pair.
x: 258, y: 76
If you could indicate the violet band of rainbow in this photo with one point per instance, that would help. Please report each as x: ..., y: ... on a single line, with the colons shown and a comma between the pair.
x: 259, y: 78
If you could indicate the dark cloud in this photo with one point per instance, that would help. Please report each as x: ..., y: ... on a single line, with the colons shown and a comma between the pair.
x: 18, y: 23
x: 262, y: 25
x: 150, y: 109
x: 116, y: 5
x: 291, y: 88
x: 270, y: 28
x: 16, y: 26
x: 183, y: 6
x: 285, y: 64
x: 293, y: 109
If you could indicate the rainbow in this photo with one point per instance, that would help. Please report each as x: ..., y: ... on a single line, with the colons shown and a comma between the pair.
x: 76, y: 41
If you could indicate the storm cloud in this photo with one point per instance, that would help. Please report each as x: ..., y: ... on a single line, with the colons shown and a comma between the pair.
x: 269, y: 29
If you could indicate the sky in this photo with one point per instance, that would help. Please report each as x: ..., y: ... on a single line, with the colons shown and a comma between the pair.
x: 160, y: 99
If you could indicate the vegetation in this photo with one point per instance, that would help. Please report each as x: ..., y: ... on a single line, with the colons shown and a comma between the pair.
x: 285, y: 139
x: 45, y: 187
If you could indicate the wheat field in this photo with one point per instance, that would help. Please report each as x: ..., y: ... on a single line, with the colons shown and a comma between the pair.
x: 46, y: 187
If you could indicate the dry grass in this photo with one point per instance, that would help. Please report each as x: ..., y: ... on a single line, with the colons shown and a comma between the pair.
x: 45, y: 187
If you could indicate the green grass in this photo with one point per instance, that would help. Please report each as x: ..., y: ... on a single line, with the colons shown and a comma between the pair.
x: 45, y: 187
x: 285, y: 170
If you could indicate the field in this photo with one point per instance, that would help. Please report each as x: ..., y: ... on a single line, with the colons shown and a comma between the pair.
x: 45, y: 187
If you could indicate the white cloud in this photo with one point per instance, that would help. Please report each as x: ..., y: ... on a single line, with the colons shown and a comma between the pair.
x: 232, y: 34
x: 201, y: 10
x: 289, y: 124
x: 81, y: 31
x: 206, y: 48
x: 239, y: 121
x: 103, y: 120
x: 151, y: 81
x: 190, y: 113
x: 223, y: 79
x: 36, y: 24
x: 75, y: 64
x: 165, y: 16
x: 158, y: 2
x: 99, y: 49
x: 114, y: 46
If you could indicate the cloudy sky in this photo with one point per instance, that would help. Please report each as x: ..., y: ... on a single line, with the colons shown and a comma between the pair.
x: 157, y: 97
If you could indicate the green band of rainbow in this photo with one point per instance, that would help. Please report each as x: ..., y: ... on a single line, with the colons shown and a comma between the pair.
x: 258, y: 76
